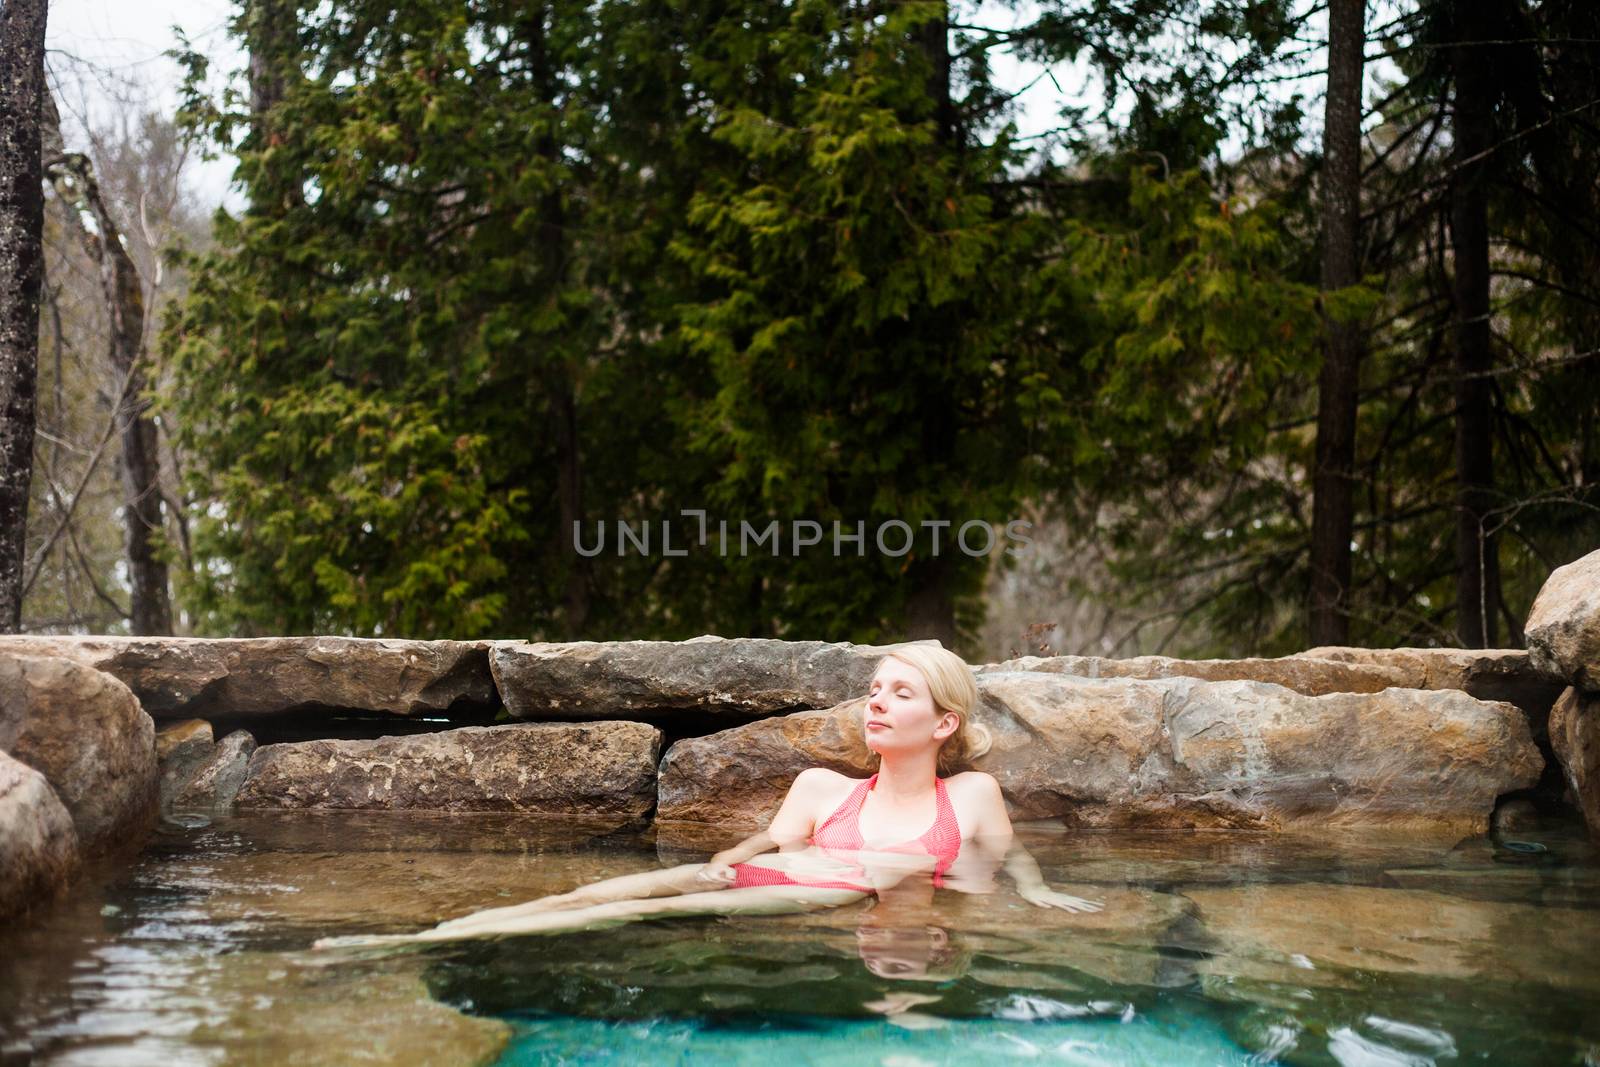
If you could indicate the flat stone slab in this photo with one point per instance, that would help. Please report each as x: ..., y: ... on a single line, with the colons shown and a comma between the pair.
x: 1313, y: 677
x: 1563, y: 629
x: 738, y: 677
x: 589, y: 769
x: 198, y: 677
x: 1509, y: 674
x: 1174, y: 753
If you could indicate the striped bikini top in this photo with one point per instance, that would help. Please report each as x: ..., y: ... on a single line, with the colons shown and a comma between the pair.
x: 942, y: 840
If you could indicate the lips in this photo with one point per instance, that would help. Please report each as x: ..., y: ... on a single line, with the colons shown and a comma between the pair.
x: 877, y: 725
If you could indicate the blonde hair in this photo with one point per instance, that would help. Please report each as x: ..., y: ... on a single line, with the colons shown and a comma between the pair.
x: 953, y: 688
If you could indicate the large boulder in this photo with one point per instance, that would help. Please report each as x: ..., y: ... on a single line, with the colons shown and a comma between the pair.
x: 1178, y: 752
x: 184, y: 677
x: 85, y: 732
x: 598, y: 769
x: 38, y: 846
x: 1313, y: 677
x: 743, y: 677
x: 1575, y: 735
x: 1563, y: 630
x: 1507, y: 674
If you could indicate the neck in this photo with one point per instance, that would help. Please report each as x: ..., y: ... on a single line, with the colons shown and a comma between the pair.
x: 907, y: 776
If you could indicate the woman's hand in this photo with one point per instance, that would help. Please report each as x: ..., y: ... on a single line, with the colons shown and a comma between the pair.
x: 717, y: 871
x: 1042, y: 896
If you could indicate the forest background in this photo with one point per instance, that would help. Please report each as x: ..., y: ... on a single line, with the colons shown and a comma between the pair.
x: 1283, y: 330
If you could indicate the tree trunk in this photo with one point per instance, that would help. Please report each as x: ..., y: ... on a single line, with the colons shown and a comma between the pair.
x: 560, y: 377
x: 270, y: 28
x: 1333, y: 480
x: 22, y: 91
x: 569, y: 492
x: 933, y: 37
x: 930, y: 609
x: 1477, y: 565
x: 151, y: 607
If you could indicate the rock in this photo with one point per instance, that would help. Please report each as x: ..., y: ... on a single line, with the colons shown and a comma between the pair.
x: 1161, y: 754
x: 1507, y: 674
x: 85, y: 732
x: 398, y: 891
x: 38, y: 846
x: 175, y: 740
x: 1314, y: 935
x: 180, y: 751
x: 1575, y: 735
x: 183, y: 677
x: 1563, y: 630
x: 216, y: 782
x: 745, y: 677
x: 269, y: 1010
x: 1313, y: 677
x: 1515, y: 815
x: 601, y: 768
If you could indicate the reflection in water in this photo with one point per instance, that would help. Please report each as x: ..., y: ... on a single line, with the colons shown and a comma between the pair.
x: 919, y: 953
x: 1211, y: 949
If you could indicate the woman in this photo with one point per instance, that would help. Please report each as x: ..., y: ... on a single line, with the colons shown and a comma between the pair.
x: 837, y: 839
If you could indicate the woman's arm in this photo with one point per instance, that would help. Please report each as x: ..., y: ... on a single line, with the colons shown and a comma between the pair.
x: 1024, y: 870
x: 792, y: 825
x: 718, y: 870
x: 992, y: 828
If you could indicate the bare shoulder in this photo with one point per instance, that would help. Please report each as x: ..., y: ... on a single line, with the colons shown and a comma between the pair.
x: 822, y: 778
x: 980, y: 806
x: 977, y: 785
x: 820, y: 784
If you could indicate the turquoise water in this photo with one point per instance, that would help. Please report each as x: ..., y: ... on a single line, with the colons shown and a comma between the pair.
x: 1135, y: 1042
x: 1214, y: 949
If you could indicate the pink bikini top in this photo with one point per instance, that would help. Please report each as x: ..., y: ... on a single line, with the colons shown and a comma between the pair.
x: 942, y: 840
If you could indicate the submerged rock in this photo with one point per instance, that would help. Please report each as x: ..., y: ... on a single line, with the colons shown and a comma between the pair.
x: 38, y: 846
x: 1575, y: 735
x: 269, y: 1010
x: 1173, y: 753
x: 398, y: 891
x: 601, y: 768
x: 1313, y: 677
x: 1317, y: 935
x: 743, y: 677
x: 1563, y: 629
x: 216, y: 781
x: 85, y: 732
x: 182, y: 677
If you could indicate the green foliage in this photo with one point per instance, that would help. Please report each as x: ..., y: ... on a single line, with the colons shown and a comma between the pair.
x: 509, y: 264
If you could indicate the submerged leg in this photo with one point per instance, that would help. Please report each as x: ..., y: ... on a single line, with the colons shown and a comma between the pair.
x: 668, y: 882
x: 756, y: 900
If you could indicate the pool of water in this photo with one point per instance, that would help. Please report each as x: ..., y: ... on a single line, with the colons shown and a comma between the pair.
x: 1212, y: 949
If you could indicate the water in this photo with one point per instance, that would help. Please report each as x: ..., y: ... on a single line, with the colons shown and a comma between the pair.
x: 1213, y: 949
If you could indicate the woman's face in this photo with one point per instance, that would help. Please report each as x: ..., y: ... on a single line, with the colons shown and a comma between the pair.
x: 901, y: 715
x: 906, y: 953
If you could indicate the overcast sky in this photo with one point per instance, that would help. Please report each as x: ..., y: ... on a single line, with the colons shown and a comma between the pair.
x: 98, y: 48
x: 95, y: 49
